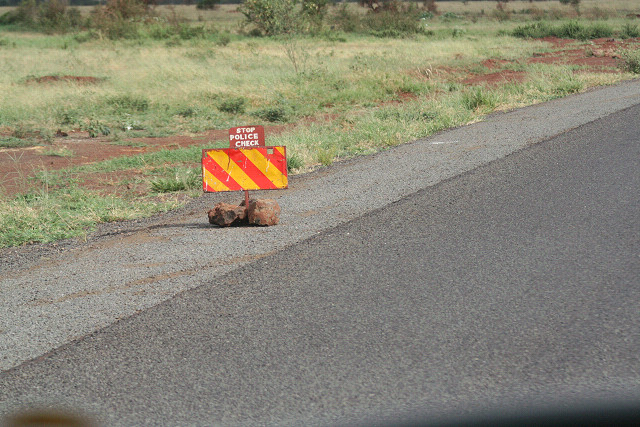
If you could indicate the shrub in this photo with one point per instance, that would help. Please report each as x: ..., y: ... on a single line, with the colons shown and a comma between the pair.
x: 233, y: 105
x: 597, y: 31
x: 96, y: 129
x: 431, y: 6
x: 532, y: 31
x: 129, y: 103
x: 575, y: 30
x: 501, y: 13
x: 631, y: 60
x: 597, y: 13
x: 180, y: 180
x: 120, y: 29
x: 117, y: 19
x: 50, y: 15
x: 570, y: 30
x: 223, y: 39
x: 449, y: 16
x: 207, y: 4
x: 274, y: 17
x: 188, y: 32
x: 344, y: 19
x: 630, y: 31
x: 271, y: 16
x: 294, y: 161
x: 272, y: 114
x: 477, y: 98
x: 27, y: 12
x: 123, y: 9
x: 397, y: 22
x: 313, y: 13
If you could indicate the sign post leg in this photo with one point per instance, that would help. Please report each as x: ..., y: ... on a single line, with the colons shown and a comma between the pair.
x: 246, y: 200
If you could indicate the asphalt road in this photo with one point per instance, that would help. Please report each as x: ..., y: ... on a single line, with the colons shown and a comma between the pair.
x: 514, y: 284
x: 54, y: 294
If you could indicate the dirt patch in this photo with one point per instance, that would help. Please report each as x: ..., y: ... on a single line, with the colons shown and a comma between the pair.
x: 19, y: 165
x: 556, y: 42
x: 72, y: 79
x: 493, y: 64
x: 495, y: 79
x: 599, y: 55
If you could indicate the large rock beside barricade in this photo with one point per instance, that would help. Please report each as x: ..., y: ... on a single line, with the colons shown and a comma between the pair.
x: 225, y: 215
x: 263, y: 212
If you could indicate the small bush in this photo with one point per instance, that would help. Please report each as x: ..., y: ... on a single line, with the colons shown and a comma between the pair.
x: 630, y: 31
x: 536, y: 30
x: 391, y: 19
x: 570, y: 30
x: 397, y: 22
x: 122, y: 9
x: 631, y: 61
x: 233, y: 105
x: 271, y: 17
x: 294, y: 161
x: 48, y: 16
x: 207, y: 4
x: 449, y: 16
x: 188, y: 32
x: 120, y: 29
x: 313, y: 12
x: 344, y: 19
x: 325, y: 156
x: 431, y: 6
x: 26, y: 13
x: 96, y: 129
x: 272, y: 114
x: 129, y: 103
x: 187, y: 112
x: 477, y: 98
x: 597, y: 31
x: 457, y: 32
x: 597, y: 13
x: 223, y: 39
x: 119, y: 19
x: 181, y: 180
x: 567, y: 85
x: 501, y: 13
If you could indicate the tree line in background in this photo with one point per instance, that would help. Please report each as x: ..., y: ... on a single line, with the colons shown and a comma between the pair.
x: 188, y: 2
x: 131, y: 19
x: 137, y: 18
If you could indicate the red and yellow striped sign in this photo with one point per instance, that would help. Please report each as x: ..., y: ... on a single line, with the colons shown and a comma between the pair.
x: 233, y: 169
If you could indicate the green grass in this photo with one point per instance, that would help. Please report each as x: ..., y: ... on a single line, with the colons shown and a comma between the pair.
x: 58, y: 152
x: 13, y: 142
x: 127, y: 143
x: 47, y: 216
x: 631, y: 60
x: 569, y: 30
x: 178, y: 179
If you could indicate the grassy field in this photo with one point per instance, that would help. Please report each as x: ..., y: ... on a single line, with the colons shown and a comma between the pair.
x: 339, y: 94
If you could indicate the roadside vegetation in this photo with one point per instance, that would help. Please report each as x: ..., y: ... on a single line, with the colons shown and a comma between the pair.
x: 336, y: 81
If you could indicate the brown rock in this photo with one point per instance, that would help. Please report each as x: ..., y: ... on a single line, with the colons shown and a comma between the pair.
x: 263, y: 212
x: 224, y: 215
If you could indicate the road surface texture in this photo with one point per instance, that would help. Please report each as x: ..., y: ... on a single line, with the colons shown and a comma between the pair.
x: 493, y: 265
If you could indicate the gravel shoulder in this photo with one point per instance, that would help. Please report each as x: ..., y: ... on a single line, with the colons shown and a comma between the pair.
x: 54, y: 294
